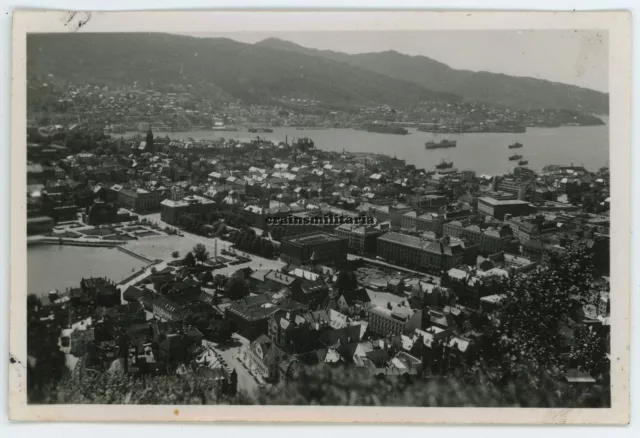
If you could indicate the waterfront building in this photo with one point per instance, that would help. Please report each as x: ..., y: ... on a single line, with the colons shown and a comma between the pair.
x: 468, y: 175
x: 515, y: 186
x: 103, y: 291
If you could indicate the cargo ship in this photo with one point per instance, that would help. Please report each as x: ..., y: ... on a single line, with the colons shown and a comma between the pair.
x: 444, y: 165
x: 442, y: 144
x: 515, y: 157
x: 385, y: 129
x: 523, y: 162
x: 515, y: 145
x: 255, y: 130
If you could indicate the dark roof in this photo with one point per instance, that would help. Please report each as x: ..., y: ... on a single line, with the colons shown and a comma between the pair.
x: 193, y: 332
x: 348, y: 350
x: 378, y: 357
x: 534, y: 244
x: 173, y: 342
x: 352, y: 296
x: 138, y: 330
x: 133, y: 293
x: 344, y: 335
x: 281, y: 278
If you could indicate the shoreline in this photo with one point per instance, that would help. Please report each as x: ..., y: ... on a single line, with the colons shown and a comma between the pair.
x: 42, y: 240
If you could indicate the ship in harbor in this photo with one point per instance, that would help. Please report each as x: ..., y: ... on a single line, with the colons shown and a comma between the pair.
x: 523, y: 162
x: 385, y: 129
x: 222, y: 128
x: 515, y: 157
x: 515, y: 145
x: 256, y: 130
x: 442, y: 144
x: 444, y: 165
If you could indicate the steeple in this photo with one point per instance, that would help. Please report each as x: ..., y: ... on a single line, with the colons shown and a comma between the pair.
x: 149, y: 146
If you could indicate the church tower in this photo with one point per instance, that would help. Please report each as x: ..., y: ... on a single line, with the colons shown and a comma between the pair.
x: 149, y: 146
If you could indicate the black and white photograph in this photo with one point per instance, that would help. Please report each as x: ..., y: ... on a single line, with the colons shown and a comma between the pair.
x: 409, y: 217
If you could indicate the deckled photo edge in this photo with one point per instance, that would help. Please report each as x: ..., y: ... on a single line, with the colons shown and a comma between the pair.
x: 618, y: 26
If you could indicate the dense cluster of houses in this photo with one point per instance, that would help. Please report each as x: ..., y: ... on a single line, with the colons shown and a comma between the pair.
x: 452, y: 234
x: 180, y: 108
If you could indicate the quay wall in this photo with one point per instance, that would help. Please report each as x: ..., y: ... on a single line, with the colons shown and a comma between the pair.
x: 73, y: 242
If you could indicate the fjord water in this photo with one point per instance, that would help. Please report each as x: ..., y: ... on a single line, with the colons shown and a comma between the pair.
x: 483, y: 153
x: 61, y: 266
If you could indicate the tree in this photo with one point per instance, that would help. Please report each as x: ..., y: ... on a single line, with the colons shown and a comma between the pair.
x: 32, y: 303
x: 237, y: 288
x: 175, y: 254
x: 526, y: 333
x: 347, y: 281
x: 246, y: 241
x: 267, y: 249
x: 120, y: 389
x: 589, y: 351
x: 207, y: 277
x: 200, y: 252
x: 256, y: 245
x: 220, y: 280
x: 324, y: 385
x: 189, y: 260
x: 224, y: 331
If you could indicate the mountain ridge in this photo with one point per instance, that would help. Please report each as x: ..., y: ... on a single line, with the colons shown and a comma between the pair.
x: 216, y: 68
x: 497, y: 88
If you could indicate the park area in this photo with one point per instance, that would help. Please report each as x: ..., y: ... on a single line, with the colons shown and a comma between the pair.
x: 161, y: 247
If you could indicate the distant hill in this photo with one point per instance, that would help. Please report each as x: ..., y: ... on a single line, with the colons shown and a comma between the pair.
x: 518, y: 92
x: 215, y: 68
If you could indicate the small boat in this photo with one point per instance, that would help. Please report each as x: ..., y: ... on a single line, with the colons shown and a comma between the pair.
x: 523, y: 162
x: 515, y: 145
x: 515, y: 157
x: 444, y: 165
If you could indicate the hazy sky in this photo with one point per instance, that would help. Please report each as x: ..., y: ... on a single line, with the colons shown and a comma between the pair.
x: 572, y: 57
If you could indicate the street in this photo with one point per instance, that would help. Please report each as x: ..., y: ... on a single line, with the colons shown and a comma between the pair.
x: 256, y: 262
x: 247, y: 384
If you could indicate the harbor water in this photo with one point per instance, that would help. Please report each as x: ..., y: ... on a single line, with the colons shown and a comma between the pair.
x: 63, y: 266
x: 484, y: 153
